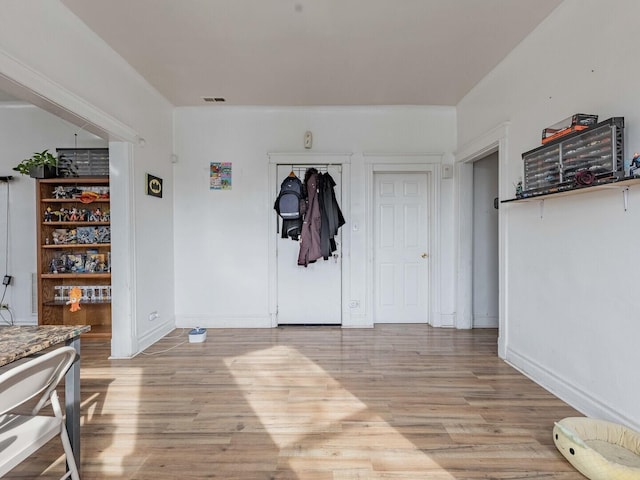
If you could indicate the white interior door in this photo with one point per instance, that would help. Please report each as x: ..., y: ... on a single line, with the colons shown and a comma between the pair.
x: 311, y: 295
x: 401, y: 252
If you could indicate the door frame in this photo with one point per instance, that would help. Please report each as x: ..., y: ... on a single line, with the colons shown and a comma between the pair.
x: 429, y: 164
x: 36, y: 88
x: 307, y: 158
x: 493, y: 140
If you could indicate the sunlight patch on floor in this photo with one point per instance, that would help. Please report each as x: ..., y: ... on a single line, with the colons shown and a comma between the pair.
x: 320, y: 425
x: 117, y: 413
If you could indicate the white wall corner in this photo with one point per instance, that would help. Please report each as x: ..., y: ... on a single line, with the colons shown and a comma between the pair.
x: 152, y: 336
x: 566, y: 390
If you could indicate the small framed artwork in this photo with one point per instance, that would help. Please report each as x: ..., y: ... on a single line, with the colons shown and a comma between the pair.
x: 220, y: 176
x: 154, y: 186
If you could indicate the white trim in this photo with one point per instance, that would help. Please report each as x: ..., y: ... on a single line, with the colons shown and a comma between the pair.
x: 124, y: 339
x: 308, y: 158
x: 152, y: 336
x: 565, y: 390
x: 483, y: 145
x: 23, y: 81
x: 495, y: 139
x: 485, y: 321
x: 429, y: 163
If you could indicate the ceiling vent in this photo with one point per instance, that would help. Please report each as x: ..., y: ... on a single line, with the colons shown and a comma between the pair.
x: 214, y: 99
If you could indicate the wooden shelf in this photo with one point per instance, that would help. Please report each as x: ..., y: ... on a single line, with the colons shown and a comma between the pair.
x: 83, y: 303
x: 98, y: 332
x: 74, y: 224
x: 75, y: 181
x: 77, y: 245
x: 73, y: 200
x: 75, y: 275
x: 622, y: 184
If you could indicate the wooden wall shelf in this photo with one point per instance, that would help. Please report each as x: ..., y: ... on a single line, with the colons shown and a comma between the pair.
x: 621, y: 185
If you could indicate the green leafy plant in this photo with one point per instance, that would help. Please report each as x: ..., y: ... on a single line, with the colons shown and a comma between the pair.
x: 38, y: 159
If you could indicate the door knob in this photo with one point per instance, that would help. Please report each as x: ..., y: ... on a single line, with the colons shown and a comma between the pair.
x: 424, y: 255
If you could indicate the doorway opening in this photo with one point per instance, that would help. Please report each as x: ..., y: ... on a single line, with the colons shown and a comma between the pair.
x: 492, y: 142
x: 485, y: 242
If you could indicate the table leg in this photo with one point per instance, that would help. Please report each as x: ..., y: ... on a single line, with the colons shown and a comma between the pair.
x: 72, y: 401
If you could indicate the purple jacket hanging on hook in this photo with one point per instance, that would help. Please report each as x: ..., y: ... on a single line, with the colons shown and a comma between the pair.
x: 310, y: 250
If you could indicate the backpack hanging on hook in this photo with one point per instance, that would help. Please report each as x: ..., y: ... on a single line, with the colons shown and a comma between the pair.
x: 289, y: 204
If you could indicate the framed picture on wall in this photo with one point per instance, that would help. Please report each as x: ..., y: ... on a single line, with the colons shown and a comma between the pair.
x: 154, y: 186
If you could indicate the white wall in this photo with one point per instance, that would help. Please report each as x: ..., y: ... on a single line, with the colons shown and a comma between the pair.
x: 571, y: 312
x: 45, y: 48
x: 25, y: 129
x: 485, y: 243
x: 222, y: 237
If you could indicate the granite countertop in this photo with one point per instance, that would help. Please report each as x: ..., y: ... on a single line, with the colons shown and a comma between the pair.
x: 20, y: 341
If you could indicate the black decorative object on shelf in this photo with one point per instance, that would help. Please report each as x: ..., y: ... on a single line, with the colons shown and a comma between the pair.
x: 590, y: 157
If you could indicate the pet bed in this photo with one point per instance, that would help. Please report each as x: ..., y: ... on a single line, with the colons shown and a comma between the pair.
x: 598, y: 449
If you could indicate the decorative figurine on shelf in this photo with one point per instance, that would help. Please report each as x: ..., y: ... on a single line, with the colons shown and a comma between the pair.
x: 519, y: 189
x: 63, y: 215
x: 96, y: 215
x: 634, y: 169
x: 73, y: 215
x: 75, y: 295
x: 58, y: 265
x: 48, y: 215
x: 59, y: 192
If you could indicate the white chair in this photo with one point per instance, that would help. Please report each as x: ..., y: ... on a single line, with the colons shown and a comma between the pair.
x: 22, y: 435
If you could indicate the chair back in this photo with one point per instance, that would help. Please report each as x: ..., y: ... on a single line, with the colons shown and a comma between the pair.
x: 34, y: 378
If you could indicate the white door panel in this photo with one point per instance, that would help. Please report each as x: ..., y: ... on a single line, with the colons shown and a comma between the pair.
x: 311, y: 295
x: 401, y: 262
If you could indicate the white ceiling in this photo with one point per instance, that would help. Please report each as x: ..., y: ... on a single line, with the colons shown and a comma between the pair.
x: 313, y: 52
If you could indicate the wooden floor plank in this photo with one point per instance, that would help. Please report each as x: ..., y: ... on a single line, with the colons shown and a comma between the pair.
x: 395, y: 402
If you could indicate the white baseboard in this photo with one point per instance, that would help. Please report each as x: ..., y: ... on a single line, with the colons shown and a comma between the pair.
x: 485, y: 321
x: 25, y: 322
x: 446, y: 320
x: 566, y: 391
x: 223, y: 321
x: 152, y: 336
x: 357, y: 321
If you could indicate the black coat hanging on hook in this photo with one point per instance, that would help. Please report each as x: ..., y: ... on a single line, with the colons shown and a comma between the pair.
x: 332, y: 218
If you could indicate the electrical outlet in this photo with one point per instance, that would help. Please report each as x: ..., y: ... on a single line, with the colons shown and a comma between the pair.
x: 7, y: 280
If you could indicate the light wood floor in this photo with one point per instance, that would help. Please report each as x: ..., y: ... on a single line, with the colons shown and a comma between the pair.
x: 313, y: 403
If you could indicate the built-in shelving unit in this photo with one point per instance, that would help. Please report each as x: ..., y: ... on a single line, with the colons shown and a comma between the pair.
x: 74, y: 250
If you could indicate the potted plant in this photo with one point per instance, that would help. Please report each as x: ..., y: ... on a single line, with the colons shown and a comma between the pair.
x: 39, y: 165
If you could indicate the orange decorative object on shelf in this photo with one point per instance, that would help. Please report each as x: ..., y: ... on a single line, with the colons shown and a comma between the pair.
x: 88, y: 197
x: 75, y: 294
